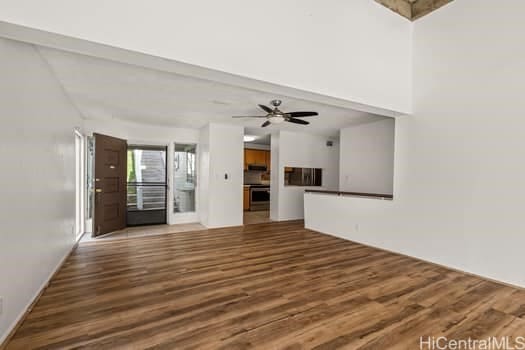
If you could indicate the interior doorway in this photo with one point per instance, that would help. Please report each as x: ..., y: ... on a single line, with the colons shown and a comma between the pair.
x: 146, y: 185
x: 257, y: 174
x: 129, y: 184
x: 184, y: 178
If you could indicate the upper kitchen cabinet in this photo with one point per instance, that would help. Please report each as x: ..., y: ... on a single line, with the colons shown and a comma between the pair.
x: 256, y: 157
x: 268, y: 160
x: 260, y: 157
x: 249, y: 157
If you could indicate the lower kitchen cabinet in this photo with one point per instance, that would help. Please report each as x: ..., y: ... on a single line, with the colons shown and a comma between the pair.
x: 246, y: 202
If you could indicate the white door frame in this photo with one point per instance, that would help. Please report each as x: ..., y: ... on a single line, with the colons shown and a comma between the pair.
x: 80, y: 176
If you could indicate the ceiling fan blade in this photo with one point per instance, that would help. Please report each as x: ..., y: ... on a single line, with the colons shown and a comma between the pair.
x: 265, y: 124
x: 266, y: 109
x: 297, y: 121
x: 249, y: 116
x: 302, y: 114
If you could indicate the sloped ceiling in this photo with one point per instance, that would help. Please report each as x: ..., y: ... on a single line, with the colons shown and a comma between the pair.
x: 107, y: 90
x: 413, y: 9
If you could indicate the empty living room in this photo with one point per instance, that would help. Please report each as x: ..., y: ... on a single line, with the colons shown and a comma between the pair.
x: 343, y: 174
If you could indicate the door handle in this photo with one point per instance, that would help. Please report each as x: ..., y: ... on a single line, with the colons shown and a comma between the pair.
x: 98, y: 190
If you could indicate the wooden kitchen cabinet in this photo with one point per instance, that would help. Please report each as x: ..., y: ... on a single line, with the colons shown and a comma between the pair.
x: 249, y: 157
x: 258, y: 157
x: 246, y: 201
x: 254, y: 156
x: 268, y: 160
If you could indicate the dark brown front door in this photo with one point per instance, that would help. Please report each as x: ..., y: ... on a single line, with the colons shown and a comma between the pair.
x: 110, y: 184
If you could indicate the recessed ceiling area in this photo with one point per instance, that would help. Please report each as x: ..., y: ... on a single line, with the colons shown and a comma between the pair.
x: 106, y: 90
x: 259, y: 137
x: 413, y: 9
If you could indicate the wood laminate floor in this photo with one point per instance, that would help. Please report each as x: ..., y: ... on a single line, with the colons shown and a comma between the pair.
x: 139, y: 231
x: 256, y: 217
x: 267, y: 286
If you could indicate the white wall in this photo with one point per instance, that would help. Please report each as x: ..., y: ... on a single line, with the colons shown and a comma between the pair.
x: 203, y: 176
x: 459, y: 173
x: 367, y: 157
x: 354, y: 50
x: 222, y: 153
x: 275, y: 175
x: 142, y: 133
x: 37, y: 157
x: 304, y: 151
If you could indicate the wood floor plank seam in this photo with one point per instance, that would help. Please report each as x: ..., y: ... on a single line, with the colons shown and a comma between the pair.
x: 271, y: 285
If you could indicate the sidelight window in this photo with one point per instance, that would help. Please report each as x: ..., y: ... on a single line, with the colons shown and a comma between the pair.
x: 184, y: 177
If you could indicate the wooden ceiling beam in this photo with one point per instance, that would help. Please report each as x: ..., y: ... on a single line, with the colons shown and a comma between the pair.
x: 402, y: 7
x: 413, y: 9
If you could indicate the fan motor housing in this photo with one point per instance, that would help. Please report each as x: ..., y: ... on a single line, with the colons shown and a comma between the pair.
x: 276, y: 103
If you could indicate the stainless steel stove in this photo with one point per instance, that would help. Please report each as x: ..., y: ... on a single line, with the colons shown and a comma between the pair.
x: 259, y: 197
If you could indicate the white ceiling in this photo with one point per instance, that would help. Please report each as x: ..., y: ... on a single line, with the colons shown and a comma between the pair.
x: 103, y: 89
x: 261, y: 138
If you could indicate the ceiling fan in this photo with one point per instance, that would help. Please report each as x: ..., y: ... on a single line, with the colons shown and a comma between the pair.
x: 276, y: 116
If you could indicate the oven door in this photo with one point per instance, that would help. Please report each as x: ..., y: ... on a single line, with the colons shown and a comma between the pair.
x: 260, y: 198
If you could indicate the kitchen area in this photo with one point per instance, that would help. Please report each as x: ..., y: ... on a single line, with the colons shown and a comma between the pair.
x: 257, y: 170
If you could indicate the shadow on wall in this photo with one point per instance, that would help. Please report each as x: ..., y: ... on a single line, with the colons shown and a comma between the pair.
x: 367, y: 157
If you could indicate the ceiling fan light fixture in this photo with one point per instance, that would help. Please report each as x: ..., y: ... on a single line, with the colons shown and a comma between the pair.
x: 276, y: 119
x: 276, y: 116
x: 249, y: 138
